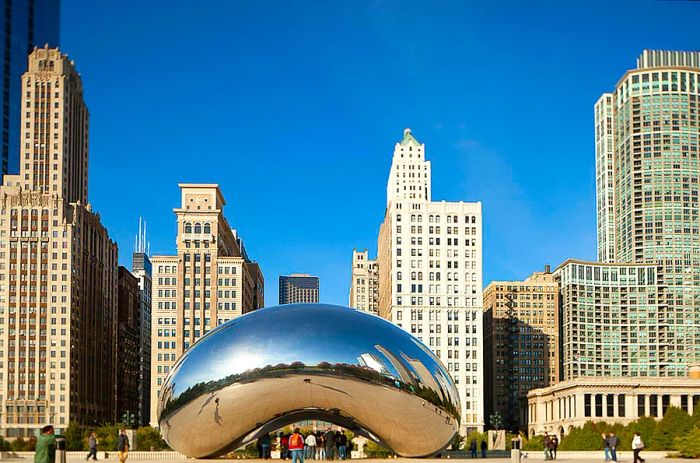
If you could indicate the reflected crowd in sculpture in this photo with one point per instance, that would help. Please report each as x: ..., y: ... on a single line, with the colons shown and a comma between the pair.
x: 280, y: 365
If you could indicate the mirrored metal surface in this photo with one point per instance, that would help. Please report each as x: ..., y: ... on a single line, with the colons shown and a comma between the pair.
x: 284, y: 364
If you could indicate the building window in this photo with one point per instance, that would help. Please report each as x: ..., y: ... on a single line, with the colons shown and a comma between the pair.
x: 654, y: 405
x: 587, y: 405
x: 621, y: 405
x: 610, y: 405
x: 641, y: 405
x: 684, y: 403
x: 665, y: 403
x: 599, y: 405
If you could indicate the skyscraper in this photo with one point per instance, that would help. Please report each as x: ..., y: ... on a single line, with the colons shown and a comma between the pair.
x: 521, y: 335
x: 128, y: 345
x: 364, y: 283
x: 647, y: 170
x: 210, y: 281
x: 298, y: 288
x: 24, y: 24
x: 58, y: 266
x: 141, y: 268
x: 429, y: 262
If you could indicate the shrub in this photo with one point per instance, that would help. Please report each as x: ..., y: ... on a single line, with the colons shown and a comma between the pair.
x: 675, y: 422
x: 688, y: 445
x: 533, y: 443
x: 22, y: 445
x: 4, y: 445
x: 375, y: 450
x: 107, y: 436
x: 75, y: 437
x: 148, y: 438
x: 586, y: 438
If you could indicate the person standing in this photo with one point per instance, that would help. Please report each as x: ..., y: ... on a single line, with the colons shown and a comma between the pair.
x: 45, y: 450
x: 546, y: 441
x: 320, y: 448
x: 329, y: 442
x: 472, y: 447
x: 123, y: 446
x: 265, y: 444
x: 92, y: 446
x: 284, y: 446
x: 483, y: 448
x: 637, y: 446
x: 341, y: 441
x: 296, y: 446
x: 310, y: 446
x: 606, y: 446
x: 553, y: 445
x: 613, y: 442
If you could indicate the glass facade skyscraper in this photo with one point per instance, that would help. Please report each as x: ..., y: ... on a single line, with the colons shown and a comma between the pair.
x: 647, y: 173
x: 24, y: 24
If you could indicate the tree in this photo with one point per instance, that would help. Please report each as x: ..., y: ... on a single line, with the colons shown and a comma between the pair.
x: 496, y: 421
x: 675, y: 422
x: 74, y: 437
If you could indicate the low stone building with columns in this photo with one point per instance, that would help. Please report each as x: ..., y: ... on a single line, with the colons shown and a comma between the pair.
x: 569, y: 404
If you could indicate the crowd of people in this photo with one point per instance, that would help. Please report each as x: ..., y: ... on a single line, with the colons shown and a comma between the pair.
x: 318, y: 445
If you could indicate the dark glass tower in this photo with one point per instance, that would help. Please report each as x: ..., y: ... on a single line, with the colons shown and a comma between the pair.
x: 24, y: 24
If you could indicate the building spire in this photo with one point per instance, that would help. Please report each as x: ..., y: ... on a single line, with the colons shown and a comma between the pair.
x: 141, y: 244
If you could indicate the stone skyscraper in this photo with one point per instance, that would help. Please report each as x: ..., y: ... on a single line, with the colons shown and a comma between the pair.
x: 430, y: 280
x: 364, y: 283
x: 647, y: 170
x: 210, y: 281
x: 521, y: 334
x: 58, y: 266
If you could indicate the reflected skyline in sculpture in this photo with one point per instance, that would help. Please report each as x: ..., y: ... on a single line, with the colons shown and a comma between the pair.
x: 279, y: 365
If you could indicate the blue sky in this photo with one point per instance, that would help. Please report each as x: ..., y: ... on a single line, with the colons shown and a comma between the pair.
x: 294, y: 109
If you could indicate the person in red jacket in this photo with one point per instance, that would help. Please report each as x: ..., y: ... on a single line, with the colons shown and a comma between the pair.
x: 296, y: 446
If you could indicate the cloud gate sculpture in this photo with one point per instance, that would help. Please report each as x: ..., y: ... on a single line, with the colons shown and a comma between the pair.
x: 280, y: 365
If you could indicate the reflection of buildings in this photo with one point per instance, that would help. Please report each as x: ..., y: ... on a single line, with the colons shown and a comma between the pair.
x: 429, y: 273
x: 368, y: 360
x: 364, y: 284
x: 298, y: 288
x: 58, y: 265
x: 521, y: 334
x: 210, y: 281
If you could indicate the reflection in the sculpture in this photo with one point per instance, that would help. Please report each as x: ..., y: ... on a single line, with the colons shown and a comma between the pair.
x: 356, y: 370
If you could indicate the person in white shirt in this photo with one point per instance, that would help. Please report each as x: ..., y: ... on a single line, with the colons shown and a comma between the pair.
x: 310, y: 446
x: 637, y: 446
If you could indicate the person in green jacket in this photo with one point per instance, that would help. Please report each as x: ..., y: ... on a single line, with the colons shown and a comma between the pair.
x: 45, y: 446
